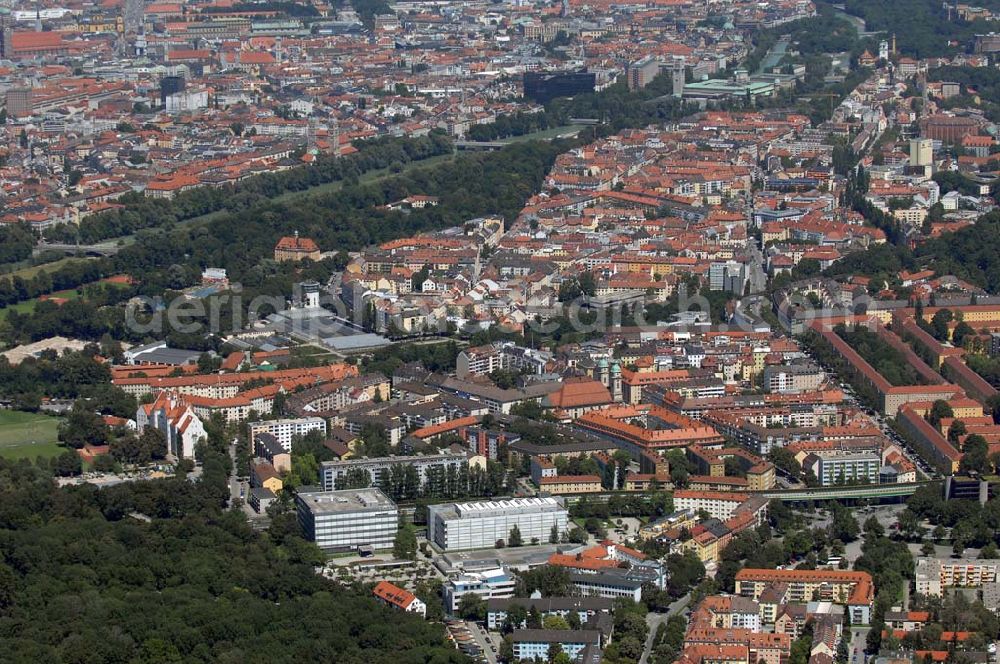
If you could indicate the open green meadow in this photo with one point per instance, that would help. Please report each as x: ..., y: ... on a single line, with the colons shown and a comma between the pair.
x: 28, y: 435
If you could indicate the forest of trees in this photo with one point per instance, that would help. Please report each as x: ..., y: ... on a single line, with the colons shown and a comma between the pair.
x: 517, y: 124
x: 139, y: 212
x: 921, y: 27
x: 880, y: 355
x: 142, y: 212
x: 16, y: 243
x: 14, y: 289
x: 956, y: 181
x: 69, y: 376
x: 969, y: 253
x: 966, y: 253
x: 83, y: 580
x: 969, y: 523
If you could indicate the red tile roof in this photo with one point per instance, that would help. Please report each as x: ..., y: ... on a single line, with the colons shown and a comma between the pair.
x: 293, y: 243
x: 576, y: 392
x: 451, y: 425
x: 32, y: 41
x: 393, y: 594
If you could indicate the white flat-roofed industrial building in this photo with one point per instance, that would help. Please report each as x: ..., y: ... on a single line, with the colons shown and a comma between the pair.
x: 343, y: 520
x: 480, y: 525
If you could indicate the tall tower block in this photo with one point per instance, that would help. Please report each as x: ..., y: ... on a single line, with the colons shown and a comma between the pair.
x: 677, y: 77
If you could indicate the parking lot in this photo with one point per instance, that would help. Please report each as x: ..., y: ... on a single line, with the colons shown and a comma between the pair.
x: 472, y: 640
x: 887, y: 516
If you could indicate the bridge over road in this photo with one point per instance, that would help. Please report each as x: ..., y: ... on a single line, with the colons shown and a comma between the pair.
x: 862, y: 491
x: 99, y: 249
x: 856, y: 492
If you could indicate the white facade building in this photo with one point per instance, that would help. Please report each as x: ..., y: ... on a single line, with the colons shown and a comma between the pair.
x: 285, y: 430
x: 534, y: 644
x: 480, y: 525
x: 350, y: 519
x: 719, y: 504
x: 186, y: 100
x: 495, y: 583
x: 844, y: 468
x: 176, y: 419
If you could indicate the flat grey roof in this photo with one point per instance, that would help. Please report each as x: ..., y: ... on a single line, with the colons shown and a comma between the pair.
x: 168, y: 356
x: 356, y: 342
x: 346, y: 501
x: 556, y: 636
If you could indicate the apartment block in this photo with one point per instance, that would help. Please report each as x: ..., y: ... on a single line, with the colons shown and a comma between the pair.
x: 585, y: 608
x: 399, y: 598
x: 286, y: 430
x: 719, y: 504
x: 934, y: 575
x: 432, y: 469
x: 268, y: 448
x: 478, y: 361
x: 611, y: 583
x: 793, y: 378
x: 531, y: 644
x: 571, y: 484
x: 844, y: 468
x: 853, y: 589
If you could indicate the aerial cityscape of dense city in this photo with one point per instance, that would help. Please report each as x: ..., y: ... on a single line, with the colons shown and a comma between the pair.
x: 441, y: 332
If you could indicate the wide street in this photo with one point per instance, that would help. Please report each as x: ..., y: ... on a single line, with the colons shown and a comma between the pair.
x: 654, y: 620
x: 483, y: 641
x: 856, y: 650
x: 238, y: 488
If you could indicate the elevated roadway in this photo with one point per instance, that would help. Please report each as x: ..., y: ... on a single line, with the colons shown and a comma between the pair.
x: 100, y: 249
x: 857, y: 492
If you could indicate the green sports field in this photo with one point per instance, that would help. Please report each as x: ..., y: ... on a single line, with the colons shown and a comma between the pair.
x: 28, y: 435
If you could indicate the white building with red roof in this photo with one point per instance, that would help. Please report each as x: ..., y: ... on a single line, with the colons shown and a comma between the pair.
x: 397, y: 597
x: 176, y: 418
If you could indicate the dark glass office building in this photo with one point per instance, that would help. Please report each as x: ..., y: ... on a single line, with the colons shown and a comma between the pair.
x: 544, y: 86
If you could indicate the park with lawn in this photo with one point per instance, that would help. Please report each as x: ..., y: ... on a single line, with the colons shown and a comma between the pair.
x: 29, y: 435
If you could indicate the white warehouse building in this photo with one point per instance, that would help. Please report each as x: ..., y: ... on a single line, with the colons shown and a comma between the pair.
x: 480, y: 525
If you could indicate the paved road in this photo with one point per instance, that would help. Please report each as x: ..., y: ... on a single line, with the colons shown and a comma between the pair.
x: 237, y: 489
x: 654, y: 620
x: 525, y: 485
x: 758, y: 279
x: 856, y: 649
x: 482, y: 639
